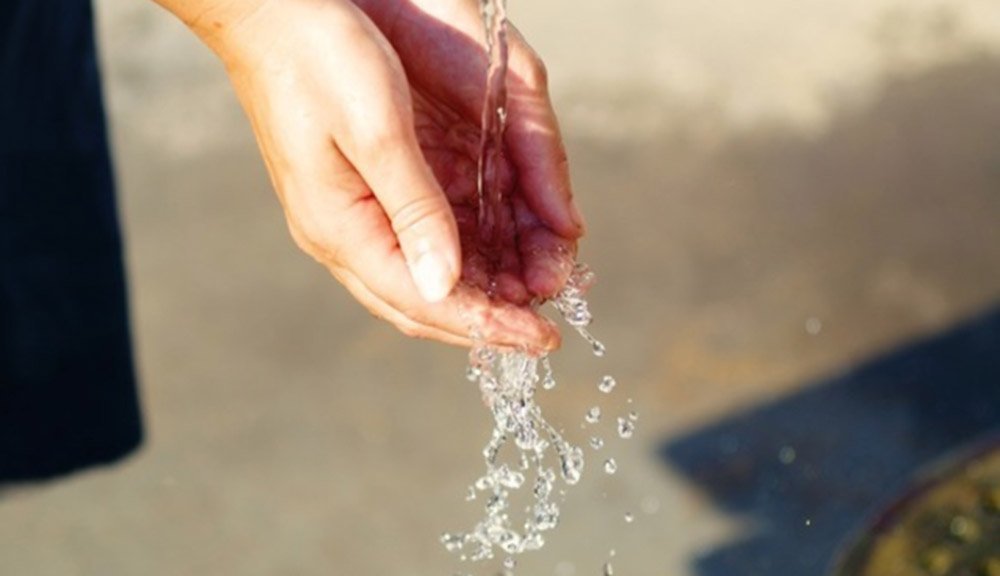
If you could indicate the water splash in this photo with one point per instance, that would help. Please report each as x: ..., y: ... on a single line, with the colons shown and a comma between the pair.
x: 548, y: 380
x: 573, y: 307
x: 534, y: 450
x: 537, y: 454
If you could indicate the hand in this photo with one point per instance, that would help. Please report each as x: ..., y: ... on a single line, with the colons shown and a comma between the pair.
x: 367, y: 116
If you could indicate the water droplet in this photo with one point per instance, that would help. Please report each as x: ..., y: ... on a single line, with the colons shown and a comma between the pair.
x: 582, y: 275
x: 609, y: 570
x: 593, y: 415
x: 626, y: 428
x: 607, y: 384
x: 471, y: 494
x: 485, y: 354
x: 542, y: 489
x: 786, y: 455
x: 729, y: 445
x: 610, y: 466
x: 548, y: 379
x: 492, y: 450
x: 629, y: 518
x: 545, y: 515
x: 510, y: 541
x: 633, y: 416
x: 509, y: 563
x: 548, y: 474
x: 496, y: 504
x: 598, y: 348
x: 596, y: 443
x: 514, y: 480
x: 572, y: 466
x: 453, y: 542
x: 814, y: 326
x: 578, y: 316
x: 525, y: 461
x: 533, y: 542
x: 650, y: 505
x: 509, y: 478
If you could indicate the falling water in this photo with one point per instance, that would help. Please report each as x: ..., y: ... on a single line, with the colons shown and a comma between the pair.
x: 524, y: 451
x: 493, y: 123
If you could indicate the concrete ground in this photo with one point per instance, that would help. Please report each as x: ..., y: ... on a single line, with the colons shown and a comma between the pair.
x: 794, y: 212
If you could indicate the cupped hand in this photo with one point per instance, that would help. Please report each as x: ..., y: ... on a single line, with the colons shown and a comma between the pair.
x: 367, y: 115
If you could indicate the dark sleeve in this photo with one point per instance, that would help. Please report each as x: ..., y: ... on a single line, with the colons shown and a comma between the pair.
x: 67, y: 388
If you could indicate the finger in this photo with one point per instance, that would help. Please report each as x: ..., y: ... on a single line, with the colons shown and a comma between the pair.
x: 455, y: 69
x: 381, y: 309
x: 419, y: 214
x: 547, y: 257
x: 378, y: 263
x: 535, y: 145
x: 410, y: 327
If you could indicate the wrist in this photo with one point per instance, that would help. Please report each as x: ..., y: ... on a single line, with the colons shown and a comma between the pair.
x: 217, y: 23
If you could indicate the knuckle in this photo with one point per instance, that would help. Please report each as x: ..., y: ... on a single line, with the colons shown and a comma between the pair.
x: 316, y: 240
x: 407, y: 217
x: 301, y: 238
x: 383, y: 136
x: 379, y: 140
x: 537, y: 73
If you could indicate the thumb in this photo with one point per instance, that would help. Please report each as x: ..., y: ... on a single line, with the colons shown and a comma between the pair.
x: 418, y: 211
x: 381, y: 142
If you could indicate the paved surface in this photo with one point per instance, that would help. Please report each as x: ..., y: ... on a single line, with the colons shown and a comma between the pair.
x: 793, y: 211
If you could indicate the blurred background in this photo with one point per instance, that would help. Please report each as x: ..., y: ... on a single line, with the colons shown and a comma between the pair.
x: 794, y: 212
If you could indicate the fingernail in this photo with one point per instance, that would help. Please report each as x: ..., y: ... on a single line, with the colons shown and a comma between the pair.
x: 433, y: 276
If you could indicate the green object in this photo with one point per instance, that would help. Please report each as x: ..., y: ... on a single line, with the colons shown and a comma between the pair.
x: 947, y: 525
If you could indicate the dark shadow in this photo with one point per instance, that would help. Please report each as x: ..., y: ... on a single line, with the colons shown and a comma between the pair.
x: 809, y: 468
x: 910, y: 182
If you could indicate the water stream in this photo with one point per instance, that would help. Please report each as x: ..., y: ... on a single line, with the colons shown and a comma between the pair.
x: 526, y: 457
x: 494, y: 121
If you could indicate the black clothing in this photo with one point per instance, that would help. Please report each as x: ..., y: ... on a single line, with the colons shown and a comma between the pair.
x: 67, y: 388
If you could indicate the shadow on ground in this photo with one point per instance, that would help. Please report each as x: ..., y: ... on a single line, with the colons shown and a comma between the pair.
x: 808, y: 469
x: 913, y: 178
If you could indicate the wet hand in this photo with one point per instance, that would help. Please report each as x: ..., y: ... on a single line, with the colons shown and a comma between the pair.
x: 367, y: 117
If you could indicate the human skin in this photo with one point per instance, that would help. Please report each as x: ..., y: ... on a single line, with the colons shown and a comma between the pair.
x: 367, y: 115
